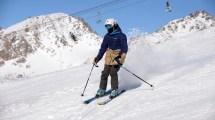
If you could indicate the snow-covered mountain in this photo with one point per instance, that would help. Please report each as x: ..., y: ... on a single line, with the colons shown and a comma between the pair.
x: 181, y: 69
x: 194, y: 22
x: 58, y: 41
x: 45, y: 44
x: 197, y: 21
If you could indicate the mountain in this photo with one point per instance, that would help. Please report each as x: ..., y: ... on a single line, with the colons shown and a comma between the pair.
x: 197, y: 21
x: 45, y: 44
x: 194, y: 22
x: 54, y: 42
x: 181, y: 69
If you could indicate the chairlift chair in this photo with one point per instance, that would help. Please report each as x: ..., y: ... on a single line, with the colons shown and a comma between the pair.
x: 168, y: 7
x: 98, y: 18
x: 98, y: 15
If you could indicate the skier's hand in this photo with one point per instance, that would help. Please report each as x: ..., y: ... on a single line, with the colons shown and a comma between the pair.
x: 117, y: 62
x: 96, y: 60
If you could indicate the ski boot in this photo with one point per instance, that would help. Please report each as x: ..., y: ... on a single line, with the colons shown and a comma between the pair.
x: 100, y: 93
x: 114, y: 93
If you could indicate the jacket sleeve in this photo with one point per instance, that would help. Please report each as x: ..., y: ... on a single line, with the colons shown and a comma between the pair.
x: 124, y: 49
x: 103, y: 48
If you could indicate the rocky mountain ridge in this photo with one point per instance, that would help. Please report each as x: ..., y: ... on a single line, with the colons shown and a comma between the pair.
x: 47, y: 33
x: 197, y: 21
x: 194, y: 22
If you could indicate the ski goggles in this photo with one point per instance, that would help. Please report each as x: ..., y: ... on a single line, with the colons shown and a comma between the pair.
x: 108, y: 26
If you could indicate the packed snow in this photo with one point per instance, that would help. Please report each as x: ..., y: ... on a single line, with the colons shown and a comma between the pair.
x: 182, y: 69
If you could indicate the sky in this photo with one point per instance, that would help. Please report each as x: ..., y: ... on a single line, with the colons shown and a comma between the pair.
x: 147, y: 15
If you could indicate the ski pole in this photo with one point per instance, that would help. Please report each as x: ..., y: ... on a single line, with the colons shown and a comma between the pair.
x: 89, y: 78
x: 136, y: 75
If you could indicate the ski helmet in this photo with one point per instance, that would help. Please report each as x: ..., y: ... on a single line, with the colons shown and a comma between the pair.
x: 110, y: 21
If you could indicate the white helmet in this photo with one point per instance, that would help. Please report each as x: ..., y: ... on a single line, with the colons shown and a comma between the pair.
x: 110, y: 21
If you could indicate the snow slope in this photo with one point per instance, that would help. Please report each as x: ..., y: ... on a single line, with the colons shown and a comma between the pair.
x: 181, y: 69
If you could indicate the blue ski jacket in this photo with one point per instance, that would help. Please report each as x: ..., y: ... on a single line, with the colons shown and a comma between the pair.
x: 116, y: 47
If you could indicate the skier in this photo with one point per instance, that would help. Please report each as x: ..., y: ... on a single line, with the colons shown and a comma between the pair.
x: 115, y: 46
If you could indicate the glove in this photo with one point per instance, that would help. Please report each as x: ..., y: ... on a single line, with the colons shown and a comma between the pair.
x: 117, y: 61
x: 96, y: 60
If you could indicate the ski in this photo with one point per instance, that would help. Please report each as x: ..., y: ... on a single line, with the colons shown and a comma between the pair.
x: 109, y: 99
x: 94, y: 98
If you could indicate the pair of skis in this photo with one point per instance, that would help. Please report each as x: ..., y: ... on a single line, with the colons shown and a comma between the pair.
x: 105, y: 101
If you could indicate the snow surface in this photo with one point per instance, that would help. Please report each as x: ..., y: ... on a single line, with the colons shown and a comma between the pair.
x: 181, y: 69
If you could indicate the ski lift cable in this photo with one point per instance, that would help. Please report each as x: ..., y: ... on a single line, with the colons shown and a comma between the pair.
x: 81, y: 12
x: 133, y: 4
x: 96, y: 7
